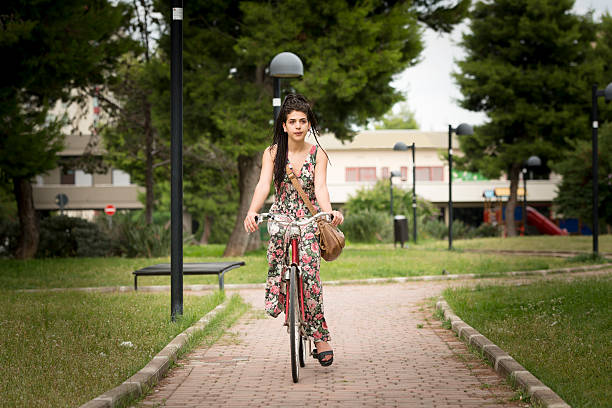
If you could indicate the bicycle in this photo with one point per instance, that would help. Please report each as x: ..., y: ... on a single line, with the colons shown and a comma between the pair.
x: 294, y: 298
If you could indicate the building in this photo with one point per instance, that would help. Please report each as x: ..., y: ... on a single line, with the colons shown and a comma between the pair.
x: 86, y: 193
x: 370, y: 157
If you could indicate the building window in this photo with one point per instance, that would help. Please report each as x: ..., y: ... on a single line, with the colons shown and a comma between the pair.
x: 83, y: 179
x: 120, y: 178
x: 404, y: 171
x: 352, y: 174
x: 429, y: 173
x: 385, y: 173
x: 437, y: 174
x: 67, y: 176
x: 361, y: 174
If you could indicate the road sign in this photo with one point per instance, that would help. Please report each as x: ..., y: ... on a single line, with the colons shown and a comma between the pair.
x: 110, y: 209
x: 61, y: 200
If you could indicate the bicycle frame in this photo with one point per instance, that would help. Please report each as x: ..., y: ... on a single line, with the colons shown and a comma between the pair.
x: 295, y: 260
x: 295, y: 316
x: 294, y: 239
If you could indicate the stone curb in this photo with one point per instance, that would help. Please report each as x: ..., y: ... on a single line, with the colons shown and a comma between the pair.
x: 502, y: 362
x: 237, y: 286
x: 560, y: 254
x: 145, y: 379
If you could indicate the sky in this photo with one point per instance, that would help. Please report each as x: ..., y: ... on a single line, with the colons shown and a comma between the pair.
x: 429, y: 88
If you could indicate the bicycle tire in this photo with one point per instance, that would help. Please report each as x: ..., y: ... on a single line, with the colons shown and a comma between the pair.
x: 295, y: 337
x: 303, y: 351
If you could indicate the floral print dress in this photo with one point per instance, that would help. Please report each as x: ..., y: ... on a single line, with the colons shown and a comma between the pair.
x: 288, y: 202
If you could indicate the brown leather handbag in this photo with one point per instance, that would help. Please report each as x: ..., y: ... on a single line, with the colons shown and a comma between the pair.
x: 331, y: 239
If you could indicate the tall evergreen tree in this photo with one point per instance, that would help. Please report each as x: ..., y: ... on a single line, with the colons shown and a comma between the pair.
x: 131, y: 137
x: 574, y: 196
x: 526, y: 68
x: 350, y: 51
x: 53, y: 47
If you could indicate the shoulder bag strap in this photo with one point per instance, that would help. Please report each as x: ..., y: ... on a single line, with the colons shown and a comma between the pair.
x: 301, y: 192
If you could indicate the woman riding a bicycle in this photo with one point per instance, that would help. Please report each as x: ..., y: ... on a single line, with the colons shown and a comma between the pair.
x: 294, y: 122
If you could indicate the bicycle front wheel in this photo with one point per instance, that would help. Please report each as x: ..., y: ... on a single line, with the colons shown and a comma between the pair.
x: 294, y: 324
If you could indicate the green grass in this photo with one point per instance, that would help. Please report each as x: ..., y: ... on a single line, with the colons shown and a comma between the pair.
x: 531, y: 243
x: 358, y: 261
x: 560, y: 331
x: 65, y: 348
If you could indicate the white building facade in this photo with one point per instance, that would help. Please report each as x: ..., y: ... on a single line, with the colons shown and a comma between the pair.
x: 370, y: 157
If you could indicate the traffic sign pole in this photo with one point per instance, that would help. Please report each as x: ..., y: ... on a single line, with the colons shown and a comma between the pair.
x: 110, y: 210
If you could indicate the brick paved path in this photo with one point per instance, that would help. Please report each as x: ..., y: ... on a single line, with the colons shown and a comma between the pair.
x: 382, y: 357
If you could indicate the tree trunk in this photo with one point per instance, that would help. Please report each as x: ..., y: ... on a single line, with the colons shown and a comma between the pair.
x: 206, y: 227
x: 149, y: 166
x: 254, y: 242
x: 514, y: 181
x: 249, y: 168
x: 28, y: 226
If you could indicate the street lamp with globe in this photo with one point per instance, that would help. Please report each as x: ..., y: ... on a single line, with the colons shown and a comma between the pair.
x: 401, y: 146
x: 607, y: 94
x: 283, y: 65
x: 462, y: 129
x: 530, y: 163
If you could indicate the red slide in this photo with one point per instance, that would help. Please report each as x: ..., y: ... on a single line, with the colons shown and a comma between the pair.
x: 543, y: 224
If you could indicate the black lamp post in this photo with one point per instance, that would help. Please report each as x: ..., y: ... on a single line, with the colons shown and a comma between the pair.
x: 284, y: 65
x: 531, y: 162
x: 607, y: 94
x: 462, y: 129
x: 403, y: 147
x: 391, y: 175
x: 176, y: 160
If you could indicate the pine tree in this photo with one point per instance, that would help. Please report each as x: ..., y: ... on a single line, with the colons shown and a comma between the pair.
x: 527, y: 69
x: 350, y: 51
x: 53, y: 47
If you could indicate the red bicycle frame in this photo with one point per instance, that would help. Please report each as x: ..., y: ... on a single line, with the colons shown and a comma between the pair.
x: 295, y: 259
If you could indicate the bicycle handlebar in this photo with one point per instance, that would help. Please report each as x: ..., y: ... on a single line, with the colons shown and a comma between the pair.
x: 275, y: 217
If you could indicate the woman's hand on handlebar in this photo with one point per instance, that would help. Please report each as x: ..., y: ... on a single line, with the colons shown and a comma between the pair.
x: 250, y: 224
x: 337, y: 218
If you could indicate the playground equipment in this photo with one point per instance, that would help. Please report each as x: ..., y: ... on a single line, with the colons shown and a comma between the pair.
x: 494, y: 212
x: 494, y: 204
x: 542, y: 223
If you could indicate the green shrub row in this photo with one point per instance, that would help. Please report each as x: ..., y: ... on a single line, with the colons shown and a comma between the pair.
x: 371, y: 226
x: 437, y: 229
x: 63, y: 236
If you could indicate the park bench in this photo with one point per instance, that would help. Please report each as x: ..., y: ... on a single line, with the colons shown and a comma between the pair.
x: 207, y: 268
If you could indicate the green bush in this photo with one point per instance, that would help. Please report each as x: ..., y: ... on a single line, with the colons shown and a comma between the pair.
x: 486, y: 230
x: 437, y: 229
x: 377, y: 198
x: 9, y: 236
x: 63, y: 236
x: 368, y: 226
x: 132, y: 237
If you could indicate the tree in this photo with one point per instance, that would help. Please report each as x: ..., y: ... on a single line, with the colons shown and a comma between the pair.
x: 574, y: 198
x: 131, y: 137
x: 350, y: 53
x: 404, y: 119
x: 378, y: 199
x: 54, y: 47
x: 527, y: 66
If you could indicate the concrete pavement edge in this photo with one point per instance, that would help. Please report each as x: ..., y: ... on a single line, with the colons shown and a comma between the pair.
x: 503, y: 363
x: 147, y: 377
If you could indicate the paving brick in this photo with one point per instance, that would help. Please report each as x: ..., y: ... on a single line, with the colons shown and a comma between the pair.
x: 388, y: 351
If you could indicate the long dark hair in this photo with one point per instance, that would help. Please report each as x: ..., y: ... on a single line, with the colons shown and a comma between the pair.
x: 292, y: 102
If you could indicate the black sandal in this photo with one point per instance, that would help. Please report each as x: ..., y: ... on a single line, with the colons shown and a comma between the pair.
x: 320, y: 356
